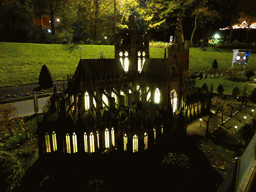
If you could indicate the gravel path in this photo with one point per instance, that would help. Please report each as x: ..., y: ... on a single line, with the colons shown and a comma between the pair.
x: 27, y: 90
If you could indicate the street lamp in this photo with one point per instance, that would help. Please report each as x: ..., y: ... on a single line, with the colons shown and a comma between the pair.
x: 200, y: 121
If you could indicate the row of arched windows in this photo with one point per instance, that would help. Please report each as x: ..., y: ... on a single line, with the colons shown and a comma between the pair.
x: 89, y: 141
x: 157, y: 98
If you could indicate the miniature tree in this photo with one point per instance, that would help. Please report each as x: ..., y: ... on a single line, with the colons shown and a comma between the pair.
x: 220, y: 89
x: 236, y: 92
x: 249, y: 73
x: 45, y: 78
x: 215, y: 66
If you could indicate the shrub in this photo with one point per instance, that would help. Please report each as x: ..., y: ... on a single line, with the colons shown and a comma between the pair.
x: 45, y: 78
x: 236, y: 91
x: 249, y: 73
x: 215, y: 64
x: 220, y: 89
x: 11, y: 171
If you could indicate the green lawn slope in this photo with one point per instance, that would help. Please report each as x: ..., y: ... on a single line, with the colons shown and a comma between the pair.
x: 20, y: 63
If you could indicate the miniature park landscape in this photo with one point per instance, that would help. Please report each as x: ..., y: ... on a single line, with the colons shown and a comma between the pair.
x: 218, y: 149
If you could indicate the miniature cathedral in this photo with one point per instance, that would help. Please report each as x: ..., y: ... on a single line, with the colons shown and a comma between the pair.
x: 127, y: 103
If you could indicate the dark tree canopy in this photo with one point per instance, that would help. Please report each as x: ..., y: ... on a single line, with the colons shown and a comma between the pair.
x: 249, y: 74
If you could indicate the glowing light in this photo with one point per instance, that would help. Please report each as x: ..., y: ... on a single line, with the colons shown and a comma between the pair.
x: 98, y: 139
x: 135, y: 143
x: 86, y: 101
x: 47, y: 143
x: 235, y: 127
x: 157, y: 95
x: 139, y: 54
x: 238, y: 57
x: 216, y: 36
x: 105, y: 37
x: 126, y: 64
x: 106, y: 138
x: 126, y: 53
x: 85, y: 143
x: 49, y: 30
x: 125, y: 142
x: 244, y: 58
x: 58, y: 19
x: 174, y: 100
x: 74, y: 138
x: 243, y: 25
x: 113, y: 136
x: 92, y: 148
x: 105, y: 100
x: 54, y: 140
x: 68, y: 143
x: 121, y: 54
x: 154, y: 130
x: 148, y: 96
x: 145, y: 141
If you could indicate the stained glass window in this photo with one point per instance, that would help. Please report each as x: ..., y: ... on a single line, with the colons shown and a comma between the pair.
x: 174, y: 100
x: 98, y: 139
x: 74, y: 138
x: 47, y: 143
x: 125, y: 142
x: 92, y: 147
x: 113, y: 136
x: 68, y: 143
x: 87, y: 101
x: 145, y: 141
x: 154, y: 130
x: 106, y: 138
x: 54, y: 141
x: 157, y: 95
x: 85, y: 143
x: 135, y: 143
x: 105, y: 99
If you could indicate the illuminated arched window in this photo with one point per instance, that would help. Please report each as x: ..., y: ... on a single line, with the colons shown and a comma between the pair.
x: 149, y: 96
x: 139, y: 65
x: 106, y: 138
x: 126, y: 64
x: 98, y: 139
x: 122, y: 93
x: 74, y: 139
x: 86, y: 101
x: 105, y: 100
x: 125, y: 142
x: 114, y: 96
x: 145, y: 141
x: 85, y: 143
x: 47, y: 143
x: 113, y: 136
x: 54, y: 141
x: 157, y: 95
x: 135, y: 144
x: 68, y: 143
x: 94, y: 102
x: 154, y: 130
x: 92, y: 147
x: 174, y: 100
x: 199, y: 106
x: 162, y: 129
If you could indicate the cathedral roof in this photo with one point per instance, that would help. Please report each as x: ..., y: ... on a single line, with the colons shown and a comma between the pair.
x: 98, y: 69
x: 155, y: 69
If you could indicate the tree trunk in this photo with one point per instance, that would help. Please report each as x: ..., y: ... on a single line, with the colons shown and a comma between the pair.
x: 194, y: 30
x: 230, y: 33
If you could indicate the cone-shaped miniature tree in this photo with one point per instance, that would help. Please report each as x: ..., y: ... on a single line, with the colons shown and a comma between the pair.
x: 45, y: 78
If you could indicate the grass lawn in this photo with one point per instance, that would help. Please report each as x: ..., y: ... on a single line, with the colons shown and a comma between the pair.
x: 227, y: 84
x: 20, y: 63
